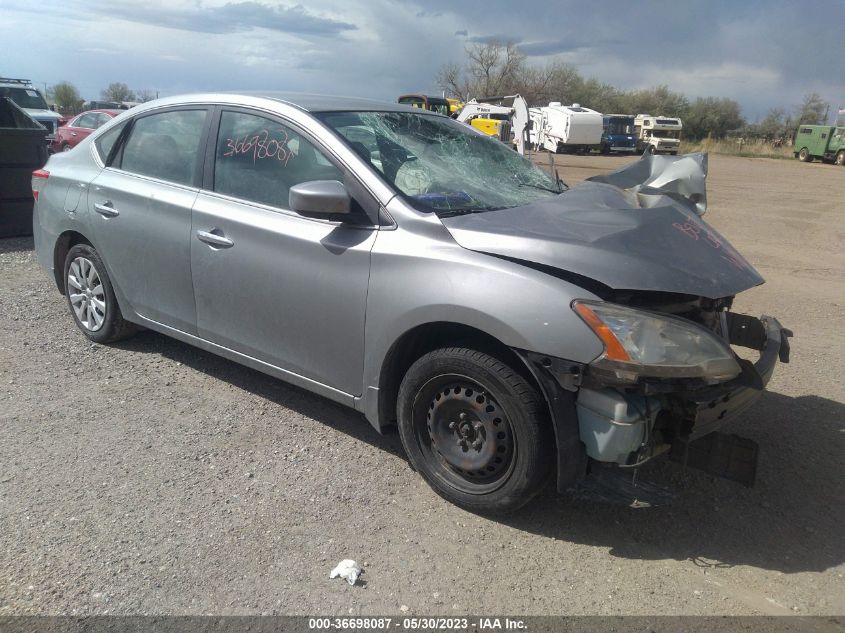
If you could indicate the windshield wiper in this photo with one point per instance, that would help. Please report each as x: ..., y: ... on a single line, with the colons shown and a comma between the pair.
x: 541, y: 187
x: 448, y: 213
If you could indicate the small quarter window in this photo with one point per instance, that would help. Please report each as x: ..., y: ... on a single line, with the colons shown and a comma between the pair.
x: 259, y: 160
x: 106, y: 141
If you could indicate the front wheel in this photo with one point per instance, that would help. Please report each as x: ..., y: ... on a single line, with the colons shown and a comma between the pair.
x: 475, y: 430
x: 840, y: 158
x: 66, y: 147
x: 90, y: 297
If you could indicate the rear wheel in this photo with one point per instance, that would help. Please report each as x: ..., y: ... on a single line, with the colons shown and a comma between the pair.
x: 90, y: 297
x: 840, y: 158
x: 804, y: 155
x: 475, y: 430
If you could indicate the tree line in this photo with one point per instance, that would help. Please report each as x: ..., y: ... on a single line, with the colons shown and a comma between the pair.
x: 498, y: 69
x: 68, y: 100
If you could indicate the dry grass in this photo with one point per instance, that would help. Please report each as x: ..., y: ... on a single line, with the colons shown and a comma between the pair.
x: 734, y: 148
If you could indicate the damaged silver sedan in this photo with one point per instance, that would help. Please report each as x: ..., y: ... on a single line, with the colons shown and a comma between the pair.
x: 395, y: 261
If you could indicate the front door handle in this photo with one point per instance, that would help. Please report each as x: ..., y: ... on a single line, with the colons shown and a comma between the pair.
x: 106, y: 210
x: 212, y: 239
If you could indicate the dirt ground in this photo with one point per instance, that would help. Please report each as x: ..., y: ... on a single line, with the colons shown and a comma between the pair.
x: 154, y: 478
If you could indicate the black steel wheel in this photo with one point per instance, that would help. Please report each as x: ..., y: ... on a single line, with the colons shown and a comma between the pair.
x: 476, y: 430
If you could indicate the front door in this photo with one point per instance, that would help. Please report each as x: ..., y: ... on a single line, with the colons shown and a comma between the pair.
x: 285, y: 289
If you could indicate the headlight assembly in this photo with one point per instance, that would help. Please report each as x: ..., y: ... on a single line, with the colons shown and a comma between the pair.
x: 645, y: 344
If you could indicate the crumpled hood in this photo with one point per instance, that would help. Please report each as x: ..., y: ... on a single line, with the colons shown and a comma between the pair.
x: 635, y: 229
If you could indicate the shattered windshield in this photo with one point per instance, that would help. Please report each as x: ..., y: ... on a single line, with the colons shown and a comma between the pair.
x: 441, y: 165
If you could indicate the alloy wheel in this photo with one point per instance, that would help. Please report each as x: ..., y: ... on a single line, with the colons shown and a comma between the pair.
x: 86, y: 293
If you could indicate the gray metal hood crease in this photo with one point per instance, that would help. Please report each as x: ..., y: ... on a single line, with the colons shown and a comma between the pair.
x: 635, y: 229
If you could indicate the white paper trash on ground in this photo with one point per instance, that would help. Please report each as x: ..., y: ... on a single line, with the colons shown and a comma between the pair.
x: 348, y: 569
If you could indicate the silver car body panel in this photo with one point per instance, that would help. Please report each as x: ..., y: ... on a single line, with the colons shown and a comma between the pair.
x: 314, y: 302
x: 289, y: 290
x: 146, y: 244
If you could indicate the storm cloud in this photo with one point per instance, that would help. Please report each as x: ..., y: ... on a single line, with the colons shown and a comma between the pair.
x: 231, y: 17
x: 762, y: 53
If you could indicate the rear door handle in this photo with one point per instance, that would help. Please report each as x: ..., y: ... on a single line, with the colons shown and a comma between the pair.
x: 106, y: 210
x: 212, y: 239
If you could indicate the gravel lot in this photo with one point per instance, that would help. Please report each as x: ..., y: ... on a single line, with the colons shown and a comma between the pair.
x: 154, y: 478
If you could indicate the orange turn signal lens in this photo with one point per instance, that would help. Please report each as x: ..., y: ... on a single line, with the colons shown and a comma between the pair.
x: 613, y: 348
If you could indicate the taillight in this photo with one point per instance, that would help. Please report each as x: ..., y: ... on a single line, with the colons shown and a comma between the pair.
x: 39, y: 179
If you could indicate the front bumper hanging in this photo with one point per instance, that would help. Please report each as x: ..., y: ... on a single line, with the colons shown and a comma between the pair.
x: 718, y: 405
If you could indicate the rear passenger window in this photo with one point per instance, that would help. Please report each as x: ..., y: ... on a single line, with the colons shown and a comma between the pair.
x: 165, y: 145
x: 259, y: 160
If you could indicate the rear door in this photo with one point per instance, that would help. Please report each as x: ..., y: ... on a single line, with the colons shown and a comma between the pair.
x: 141, y: 210
x: 280, y: 287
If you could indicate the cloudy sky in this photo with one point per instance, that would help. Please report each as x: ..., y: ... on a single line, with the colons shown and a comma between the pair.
x: 761, y: 53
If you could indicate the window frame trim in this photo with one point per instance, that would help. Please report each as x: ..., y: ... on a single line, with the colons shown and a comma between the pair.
x: 119, y: 145
x: 207, y: 183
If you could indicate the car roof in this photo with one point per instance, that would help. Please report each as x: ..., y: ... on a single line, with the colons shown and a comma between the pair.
x: 313, y: 103
x: 111, y: 111
x: 329, y: 103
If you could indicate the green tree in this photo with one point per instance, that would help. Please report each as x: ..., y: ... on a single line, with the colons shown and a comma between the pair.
x: 712, y: 117
x: 657, y: 101
x: 118, y: 92
x: 66, y: 97
x: 812, y: 110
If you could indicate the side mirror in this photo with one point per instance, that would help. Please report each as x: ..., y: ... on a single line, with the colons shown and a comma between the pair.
x: 326, y: 197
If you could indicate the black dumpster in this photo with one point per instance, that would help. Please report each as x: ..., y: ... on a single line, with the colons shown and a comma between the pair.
x: 23, y: 149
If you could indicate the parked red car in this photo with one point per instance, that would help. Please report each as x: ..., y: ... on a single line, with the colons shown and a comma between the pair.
x: 79, y: 127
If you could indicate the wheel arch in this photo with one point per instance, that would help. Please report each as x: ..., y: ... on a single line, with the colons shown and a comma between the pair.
x: 65, y: 241
x: 427, y: 337
x: 570, y: 458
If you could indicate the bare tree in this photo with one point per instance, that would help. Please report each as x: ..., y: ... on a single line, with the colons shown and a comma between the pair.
x: 813, y: 109
x: 145, y: 95
x: 118, y: 91
x: 493, y: 68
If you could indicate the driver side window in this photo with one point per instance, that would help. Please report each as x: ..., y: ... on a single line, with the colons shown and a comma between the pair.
x: 259, y: 160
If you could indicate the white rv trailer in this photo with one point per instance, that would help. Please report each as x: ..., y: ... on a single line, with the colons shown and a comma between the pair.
x: 657, y: 134
x: 559, y: 128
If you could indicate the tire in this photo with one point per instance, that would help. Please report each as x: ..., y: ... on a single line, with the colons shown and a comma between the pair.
x: 475, y: 430
x: 804, y: 155
x: 651, y: 150
x: 90, y: 297
x: 66, y: 147
x: 840, y: 158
